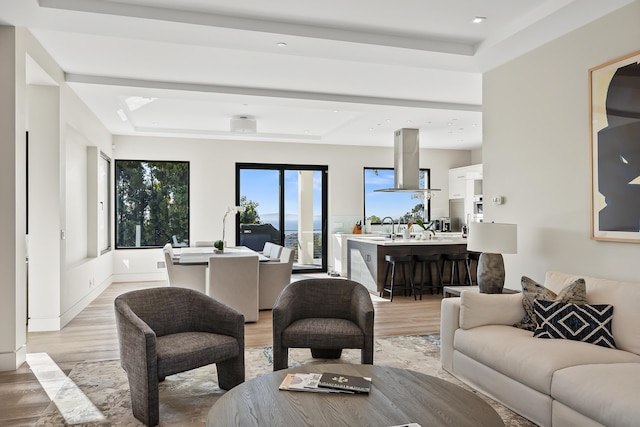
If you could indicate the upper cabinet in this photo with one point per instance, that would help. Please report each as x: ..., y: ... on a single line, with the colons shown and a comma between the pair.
x: 465, y: 181
x: 457, y: 183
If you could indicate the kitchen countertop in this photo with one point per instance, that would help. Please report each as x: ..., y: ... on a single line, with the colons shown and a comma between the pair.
x: 386, y: 241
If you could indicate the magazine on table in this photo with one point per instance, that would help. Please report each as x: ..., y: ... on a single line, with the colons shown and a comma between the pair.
x: 307, y: 382
x: 345, y: 382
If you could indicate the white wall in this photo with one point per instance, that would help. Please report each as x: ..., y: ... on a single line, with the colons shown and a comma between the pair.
x: 536, y: 152
x: 13, y: 207
x: 63, y: 279
x: 212, y: 166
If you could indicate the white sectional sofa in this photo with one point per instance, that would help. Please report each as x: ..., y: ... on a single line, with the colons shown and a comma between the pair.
x: 552, y: 382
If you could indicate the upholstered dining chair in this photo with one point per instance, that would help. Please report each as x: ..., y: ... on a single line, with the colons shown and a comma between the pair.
x: 184, y: 276
x: 233, y: 280
x: 204, y: 243
x: 266, y: 250
x: 164, y: 331
x: 274, y: 251
x: 273, y: 276
x: 325, y: 315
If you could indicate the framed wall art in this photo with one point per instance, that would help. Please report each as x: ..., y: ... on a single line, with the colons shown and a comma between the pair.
x: 615, y: 149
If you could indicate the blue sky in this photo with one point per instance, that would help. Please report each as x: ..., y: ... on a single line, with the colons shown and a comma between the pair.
x: 385, y: 204
x: 262, y: 186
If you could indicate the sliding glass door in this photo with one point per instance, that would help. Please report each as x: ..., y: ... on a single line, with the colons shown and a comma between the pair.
x: 287, y: 205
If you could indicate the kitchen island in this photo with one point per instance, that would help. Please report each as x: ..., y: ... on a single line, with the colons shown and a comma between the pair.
x: 366, y: 263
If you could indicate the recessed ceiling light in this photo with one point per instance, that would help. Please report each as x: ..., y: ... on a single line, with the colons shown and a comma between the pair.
x: 335, y: 111
x: 479, y: 19
x: 281, y: 44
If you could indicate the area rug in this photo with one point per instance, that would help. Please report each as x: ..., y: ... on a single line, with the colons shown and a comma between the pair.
x: 185, y: 399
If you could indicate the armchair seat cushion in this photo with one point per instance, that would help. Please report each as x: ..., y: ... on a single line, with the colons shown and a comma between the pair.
x: 323, y: 333
x: 189, y: 350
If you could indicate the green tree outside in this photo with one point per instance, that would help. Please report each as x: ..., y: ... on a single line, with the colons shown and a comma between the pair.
x: 152, y: 203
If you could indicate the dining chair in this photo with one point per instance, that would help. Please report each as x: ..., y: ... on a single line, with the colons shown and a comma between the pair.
x: 274, y: 276
x: 184, y: 276
x: 233, y: 280
x: 267, y: 248
x: 274, y: 251
x: 204, y: 243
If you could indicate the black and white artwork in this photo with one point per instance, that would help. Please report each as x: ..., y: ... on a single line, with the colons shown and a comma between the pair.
x: 615, y: 145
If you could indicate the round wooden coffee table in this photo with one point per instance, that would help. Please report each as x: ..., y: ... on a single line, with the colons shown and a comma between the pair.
x: 397, y: 397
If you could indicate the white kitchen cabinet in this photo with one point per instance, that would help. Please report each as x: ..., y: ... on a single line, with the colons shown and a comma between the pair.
x: 363, y: 267
x: 339, y: 249
x: 465, y: 183
x: 457, y: 183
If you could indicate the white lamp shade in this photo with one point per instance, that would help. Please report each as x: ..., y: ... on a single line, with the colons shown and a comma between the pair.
x: 493, y: 238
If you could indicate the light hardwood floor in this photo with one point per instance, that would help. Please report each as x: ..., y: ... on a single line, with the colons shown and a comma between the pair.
x: 92, y: 336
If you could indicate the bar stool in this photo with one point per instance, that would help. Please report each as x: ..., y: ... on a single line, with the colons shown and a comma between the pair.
x: 455, y: 259
x: 426, y: 261
x: 404, y: 263
x: 473, y: 263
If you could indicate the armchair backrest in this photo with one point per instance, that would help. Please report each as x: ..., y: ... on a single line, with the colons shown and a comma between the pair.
x: 333, y: 298
x: 164, y: 310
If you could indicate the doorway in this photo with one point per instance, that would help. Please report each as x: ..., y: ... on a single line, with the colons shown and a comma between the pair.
x: 287, y: 205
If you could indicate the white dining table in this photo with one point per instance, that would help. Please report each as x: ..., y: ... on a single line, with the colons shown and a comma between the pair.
x: 201, y: 255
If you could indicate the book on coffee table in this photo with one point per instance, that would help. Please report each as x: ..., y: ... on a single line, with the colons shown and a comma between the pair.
x: 306, y: 382
x: 345, y: 382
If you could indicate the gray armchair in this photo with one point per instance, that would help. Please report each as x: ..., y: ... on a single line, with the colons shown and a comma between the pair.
x: 164, y: 331
x: 325, y: 315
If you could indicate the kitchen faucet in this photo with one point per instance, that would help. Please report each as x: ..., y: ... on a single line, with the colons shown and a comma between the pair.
x: 393, y: 233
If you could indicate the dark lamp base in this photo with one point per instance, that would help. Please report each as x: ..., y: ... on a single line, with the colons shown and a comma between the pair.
x: 490, y: 273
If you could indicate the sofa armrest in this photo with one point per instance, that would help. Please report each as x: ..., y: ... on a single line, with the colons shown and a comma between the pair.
x: 477, y: 309
x: 449, y: 323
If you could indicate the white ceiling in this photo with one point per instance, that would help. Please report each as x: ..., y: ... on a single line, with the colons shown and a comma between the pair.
x: 352, y: 71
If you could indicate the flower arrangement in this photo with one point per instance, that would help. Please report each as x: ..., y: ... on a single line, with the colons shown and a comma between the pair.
x: 219, y: 244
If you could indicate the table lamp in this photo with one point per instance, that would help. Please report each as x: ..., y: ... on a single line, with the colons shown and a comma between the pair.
x: 492, y: 240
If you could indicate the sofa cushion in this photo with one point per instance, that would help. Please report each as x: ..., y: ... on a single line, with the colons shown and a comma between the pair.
x: 578, y: 322
x: 516, y: 353
x: 477, y: 309
x: 624, y: 296
x: 607, y: 393
x: 575, y: 292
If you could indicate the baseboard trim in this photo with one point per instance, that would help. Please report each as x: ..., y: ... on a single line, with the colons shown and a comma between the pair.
x: 57, y: 323
x: 12, y: 361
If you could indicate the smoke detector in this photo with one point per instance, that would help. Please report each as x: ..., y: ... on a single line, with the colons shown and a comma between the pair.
x: 243, y: 124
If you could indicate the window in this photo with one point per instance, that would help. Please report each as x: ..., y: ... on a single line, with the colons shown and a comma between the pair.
x: 399, y: 206
x: 152, y: 204
x: 287, y: 205
x: 104, y: 197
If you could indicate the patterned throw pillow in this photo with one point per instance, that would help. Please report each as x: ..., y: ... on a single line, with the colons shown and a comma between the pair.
x: 577, y: 322
x: 575, y: 293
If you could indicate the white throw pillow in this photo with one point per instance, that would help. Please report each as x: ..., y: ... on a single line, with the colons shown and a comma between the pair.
x: 477, y: 309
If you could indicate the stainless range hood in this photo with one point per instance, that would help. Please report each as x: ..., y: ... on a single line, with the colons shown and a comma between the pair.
x: 406, y: 160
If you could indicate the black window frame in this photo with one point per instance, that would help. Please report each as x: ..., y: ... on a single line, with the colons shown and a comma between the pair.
x: 116, y: 242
